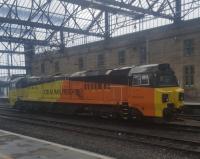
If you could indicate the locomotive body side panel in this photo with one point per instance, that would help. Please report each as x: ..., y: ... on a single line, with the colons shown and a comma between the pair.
x: 50, y: 92
x: 142, y: 98
x: 151, y: 90
x: 93, y: 93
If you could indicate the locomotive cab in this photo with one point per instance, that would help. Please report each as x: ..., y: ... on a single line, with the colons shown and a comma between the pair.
x: 168, y: 95
x: 158, y: 93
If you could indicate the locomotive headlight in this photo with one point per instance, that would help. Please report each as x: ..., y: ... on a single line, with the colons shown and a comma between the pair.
x: 165, y: 98
x: 181, y: 96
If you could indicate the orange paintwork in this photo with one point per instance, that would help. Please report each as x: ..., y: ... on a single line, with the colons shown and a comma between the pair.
x: 142, y: 98
x: 89, y: 93
x: 145, y: 99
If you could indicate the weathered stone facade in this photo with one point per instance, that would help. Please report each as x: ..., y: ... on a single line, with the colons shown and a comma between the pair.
x: 177, y: 45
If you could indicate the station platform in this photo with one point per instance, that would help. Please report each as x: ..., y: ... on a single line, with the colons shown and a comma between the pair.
x: 4, y: 100
x: 192, y: 108
x: 187, y: 103
x: 16, y: 146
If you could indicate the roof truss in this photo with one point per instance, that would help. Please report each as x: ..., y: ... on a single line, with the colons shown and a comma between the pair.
x: 42, y: 14
x: 59, y: 23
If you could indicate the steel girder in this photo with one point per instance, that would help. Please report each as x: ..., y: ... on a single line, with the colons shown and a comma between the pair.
x: 29, y: 25
x: 12, y: 52
x: 39, y: 15
x: 12, y: 67
x: 118, y: 7
x: 26, y: 41
x: 103, y: 7
x: 47, y: 26
x: 40, y: 12
x: 55, y: 23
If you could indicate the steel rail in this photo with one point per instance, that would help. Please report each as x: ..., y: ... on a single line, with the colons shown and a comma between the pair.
x: 159, y: 126
x: 143, y: 138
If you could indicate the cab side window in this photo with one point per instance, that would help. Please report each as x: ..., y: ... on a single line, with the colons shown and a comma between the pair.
x: 136, y: 80
x: 141, y: 79
x: 144, y: 80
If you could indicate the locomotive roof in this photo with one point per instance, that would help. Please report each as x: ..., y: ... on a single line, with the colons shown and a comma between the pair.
x: 104, y: 74
x: 148, y: 68
x: 91, y: 73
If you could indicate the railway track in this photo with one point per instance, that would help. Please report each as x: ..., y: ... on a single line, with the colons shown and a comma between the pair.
x: 179, y: 127
x: 190, y: 116
x: 192, y: 146
x: 163, y: 126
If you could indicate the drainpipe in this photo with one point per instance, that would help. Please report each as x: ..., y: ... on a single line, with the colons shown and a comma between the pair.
x: 147, y: 52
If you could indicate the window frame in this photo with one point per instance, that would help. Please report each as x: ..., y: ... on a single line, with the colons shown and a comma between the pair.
x: 132, y: 83
x: 80, y: 63
x: 42, y: 68
x: 100, y: 60
x: 140, y: 80
x: 189, y: 76
x: 188, y: 47
x: 57, y: 66
x: 142, y: 55
x: 122, y: 55
x: 145, y: 84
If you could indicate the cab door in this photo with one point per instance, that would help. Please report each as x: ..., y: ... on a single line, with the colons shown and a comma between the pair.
x: 141, y: 95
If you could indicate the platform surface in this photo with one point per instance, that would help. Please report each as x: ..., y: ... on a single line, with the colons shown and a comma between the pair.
x: 4, y: 100
x: 15, y: 146
x: 192, y: 103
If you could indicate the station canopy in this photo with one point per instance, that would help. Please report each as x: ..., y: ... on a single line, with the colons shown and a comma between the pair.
x: 42, y: 25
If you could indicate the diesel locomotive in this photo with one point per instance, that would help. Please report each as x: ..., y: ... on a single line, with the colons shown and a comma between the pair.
x: 129, y: 92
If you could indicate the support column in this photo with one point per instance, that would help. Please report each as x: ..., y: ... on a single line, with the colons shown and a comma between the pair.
x: 147, y: 52
x: 62, y: 42
x: 8, y: 64
x: 178, y: 12
x: 107, y: 26
x: 29, y: 51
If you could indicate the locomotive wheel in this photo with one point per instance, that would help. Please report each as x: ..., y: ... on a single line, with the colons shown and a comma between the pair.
x: 124, y: 112
x: 168, y: 115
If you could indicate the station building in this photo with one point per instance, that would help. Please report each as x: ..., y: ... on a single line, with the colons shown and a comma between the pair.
x: 178, y: 45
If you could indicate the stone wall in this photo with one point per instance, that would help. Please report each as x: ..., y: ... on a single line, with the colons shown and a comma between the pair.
x: 166, y: 44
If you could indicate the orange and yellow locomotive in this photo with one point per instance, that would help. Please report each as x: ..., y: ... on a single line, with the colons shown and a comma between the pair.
x: 146, y: 90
